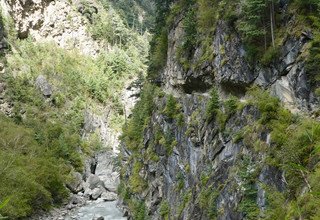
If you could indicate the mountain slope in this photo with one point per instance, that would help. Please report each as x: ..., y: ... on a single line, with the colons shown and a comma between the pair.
x: 232, y: 132
x: 65, y: 65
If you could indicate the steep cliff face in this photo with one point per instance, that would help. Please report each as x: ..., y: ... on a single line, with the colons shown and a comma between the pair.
x: 56, y: 21
x: 229, y: 69
x: 215, y: 143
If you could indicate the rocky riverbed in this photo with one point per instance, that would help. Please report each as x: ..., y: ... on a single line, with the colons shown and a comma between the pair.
x: 93, y: 192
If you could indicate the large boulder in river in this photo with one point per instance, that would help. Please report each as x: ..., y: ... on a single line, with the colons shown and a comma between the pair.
x: 97, y: 192
x: 94, y: 181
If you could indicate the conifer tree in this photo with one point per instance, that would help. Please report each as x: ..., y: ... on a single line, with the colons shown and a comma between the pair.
x: 253, y: 19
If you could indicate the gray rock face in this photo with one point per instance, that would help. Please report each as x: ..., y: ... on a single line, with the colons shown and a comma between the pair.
x: 229, y: 63
x: 106, y: 172
x: 52, y: 20
x: 286, y: 76
x: 44, y: 86
x: 91, y: 122
x: 213, y: 154
x: 206, y: 162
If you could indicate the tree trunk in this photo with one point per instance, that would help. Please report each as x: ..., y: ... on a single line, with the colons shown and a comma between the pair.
x: 272, y: 22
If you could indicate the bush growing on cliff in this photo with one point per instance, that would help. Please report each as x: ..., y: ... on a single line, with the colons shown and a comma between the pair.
x: 164, y: 210
x: 172, y: 108
x: 213, y: 105
x: 139, y: 210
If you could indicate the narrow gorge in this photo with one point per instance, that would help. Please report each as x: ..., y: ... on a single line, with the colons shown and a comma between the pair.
x: 162, y: 109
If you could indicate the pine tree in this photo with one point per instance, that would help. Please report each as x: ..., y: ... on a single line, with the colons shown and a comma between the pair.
x: 258, y: 25
x: 252, y: 24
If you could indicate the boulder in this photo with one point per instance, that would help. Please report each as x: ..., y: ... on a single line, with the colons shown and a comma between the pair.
x: 96, y: 193
x: 44, y: 86
x: 109, y: 196
x: 77, y: 200
x: 94, y: 181
x: 76, y: 184
x: 98, y: 218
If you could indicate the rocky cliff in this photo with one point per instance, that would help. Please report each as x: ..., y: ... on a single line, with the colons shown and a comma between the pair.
x: 215, y: 140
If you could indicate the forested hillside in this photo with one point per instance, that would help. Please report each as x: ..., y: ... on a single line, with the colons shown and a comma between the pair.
x: 228, y: 125
x: 63, y: 64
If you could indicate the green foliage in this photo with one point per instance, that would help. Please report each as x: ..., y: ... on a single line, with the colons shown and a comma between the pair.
x: 294, y: 142
x: 65, y: 69
x: 133, y: 131
x: 231, y: 105
x: 248, y: 204
x: 188, y: 41
x: 164, y: 210
x: 136, y: 182
x: 158, y: 54
x: 30, y: 175
x: 207, y: 15
x: 269, y: 56
x: 172, y: 108
x: 267, y: 105
x: 132, y: 10
x: 256, y: 20
x: 213, y: 104
x: 312, y: 65
x: 180, y: 181
x: 276, y: 204
x: 190, y: 34
x: 186, y: 196
x: 207, y: 199
x: 252, y: 23
x: 101, y: 28
x: 252, y: 26
x: 138, y: 209
x: 159, y: 43
x: 2, y: 205
x: 307, y: 5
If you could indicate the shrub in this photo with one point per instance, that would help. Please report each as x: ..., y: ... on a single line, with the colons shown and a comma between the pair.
x: 30, y: 176
x: 138, y: 209
x: 231, y: 105
x: 207, y: 15
x: 172, y: 107
x: 164, y: 210
x: 267, y: 105
x: 136, y: 182
x: 269, y: 56
x: 213, y: 105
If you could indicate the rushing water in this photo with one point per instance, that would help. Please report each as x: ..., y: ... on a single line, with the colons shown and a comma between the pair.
x: 93, y: 210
